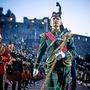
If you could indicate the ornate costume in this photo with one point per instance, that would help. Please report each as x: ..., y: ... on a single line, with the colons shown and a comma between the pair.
x: 4, y: 57
x: 59, y: 78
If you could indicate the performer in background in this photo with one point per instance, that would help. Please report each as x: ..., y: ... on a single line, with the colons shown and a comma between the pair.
x: 73, y: 74
x: 4, y: 57
x: 59, y: 78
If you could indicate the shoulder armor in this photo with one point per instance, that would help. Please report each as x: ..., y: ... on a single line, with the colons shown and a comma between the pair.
x: 42, y: 35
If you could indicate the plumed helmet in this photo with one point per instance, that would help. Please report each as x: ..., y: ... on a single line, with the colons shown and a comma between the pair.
x: 10, y: 42
x: 55, y: 14
x: 57, y: 4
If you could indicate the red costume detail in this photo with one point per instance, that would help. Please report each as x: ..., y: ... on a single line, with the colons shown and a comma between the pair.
x: 55, y: 15
x: 5, y: 58
x: 50, y: 36
x: 64, y: 49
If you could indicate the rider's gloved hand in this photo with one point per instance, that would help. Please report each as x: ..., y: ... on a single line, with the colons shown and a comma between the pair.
x: 35, y: 72
x: 60, y: 55
x: 60, y: 39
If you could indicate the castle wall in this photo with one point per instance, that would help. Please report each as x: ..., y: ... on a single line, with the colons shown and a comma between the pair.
x: 29, y: 32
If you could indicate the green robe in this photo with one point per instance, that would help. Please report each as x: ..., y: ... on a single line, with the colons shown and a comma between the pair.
x: 60, y: 75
